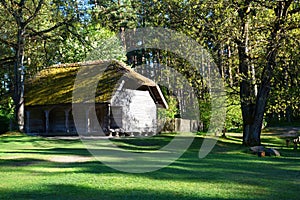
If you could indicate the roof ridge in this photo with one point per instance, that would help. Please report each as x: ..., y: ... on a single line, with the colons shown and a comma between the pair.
x: 86, y: 63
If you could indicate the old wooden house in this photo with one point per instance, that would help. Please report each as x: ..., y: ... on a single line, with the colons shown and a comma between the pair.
x: 124, y: 100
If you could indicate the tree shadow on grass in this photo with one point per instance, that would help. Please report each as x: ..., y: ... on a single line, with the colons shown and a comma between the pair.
x: 279, y: 177
x: 37, y: 141
x: 19, y: 162
x: 53, y: 151
x: 78, y: 192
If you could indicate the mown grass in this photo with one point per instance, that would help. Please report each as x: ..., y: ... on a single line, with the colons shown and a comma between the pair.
x: 40, y: 168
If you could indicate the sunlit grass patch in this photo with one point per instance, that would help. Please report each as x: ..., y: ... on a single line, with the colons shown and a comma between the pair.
x: 45, y: 168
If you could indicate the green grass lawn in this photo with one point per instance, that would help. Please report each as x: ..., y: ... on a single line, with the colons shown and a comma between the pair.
x: 45, y: 168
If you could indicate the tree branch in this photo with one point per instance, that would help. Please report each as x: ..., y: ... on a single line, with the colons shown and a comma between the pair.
x: 37, y: 10
x: 7, y: 60
x: 41, y: 33
x: 7, y: 8
x: 10, y: 44
x: 263, y: 3
x: 79, y: 37
x: 293, y: 27
x: 294, y: 11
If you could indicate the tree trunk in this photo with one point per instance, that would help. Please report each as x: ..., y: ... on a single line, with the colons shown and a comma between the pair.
x: 252, y: 105
x: 23, y: 16
x: 253, y: 125
x: 229, y: 67
x: 19, y: 79
x: 253, y: 115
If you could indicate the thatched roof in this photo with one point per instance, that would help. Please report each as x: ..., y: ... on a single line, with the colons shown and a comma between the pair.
x: 54, y: 85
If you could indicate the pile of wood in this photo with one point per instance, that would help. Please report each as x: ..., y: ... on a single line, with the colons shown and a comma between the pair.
x: 261, y: 151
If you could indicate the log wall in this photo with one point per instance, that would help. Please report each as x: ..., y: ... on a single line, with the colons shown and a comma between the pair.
x: 138, y: 111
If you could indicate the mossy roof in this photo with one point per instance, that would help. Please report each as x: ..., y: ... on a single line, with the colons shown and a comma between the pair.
x: 54, y: 85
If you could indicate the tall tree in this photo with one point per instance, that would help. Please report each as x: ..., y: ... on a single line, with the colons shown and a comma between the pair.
x: 27, y: 22
x: 280, y: 22
x: 248, y: 34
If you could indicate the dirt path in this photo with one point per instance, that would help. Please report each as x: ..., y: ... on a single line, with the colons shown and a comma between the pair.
x: 70, y: 159
x: 283, y: 131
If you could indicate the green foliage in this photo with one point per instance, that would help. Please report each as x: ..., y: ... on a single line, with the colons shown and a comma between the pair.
x: 7, y: 107
x: 116, y: 14
x: 4, y: 123
x: 105, y: 45
x: 6, y: 114
x: 205, y: 113
x: 234, y: 119
x: 171, y: 112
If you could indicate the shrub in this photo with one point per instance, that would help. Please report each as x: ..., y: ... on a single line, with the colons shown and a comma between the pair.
x: 234, y: 119
x: 6, y: 114
x: 4, y: 124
